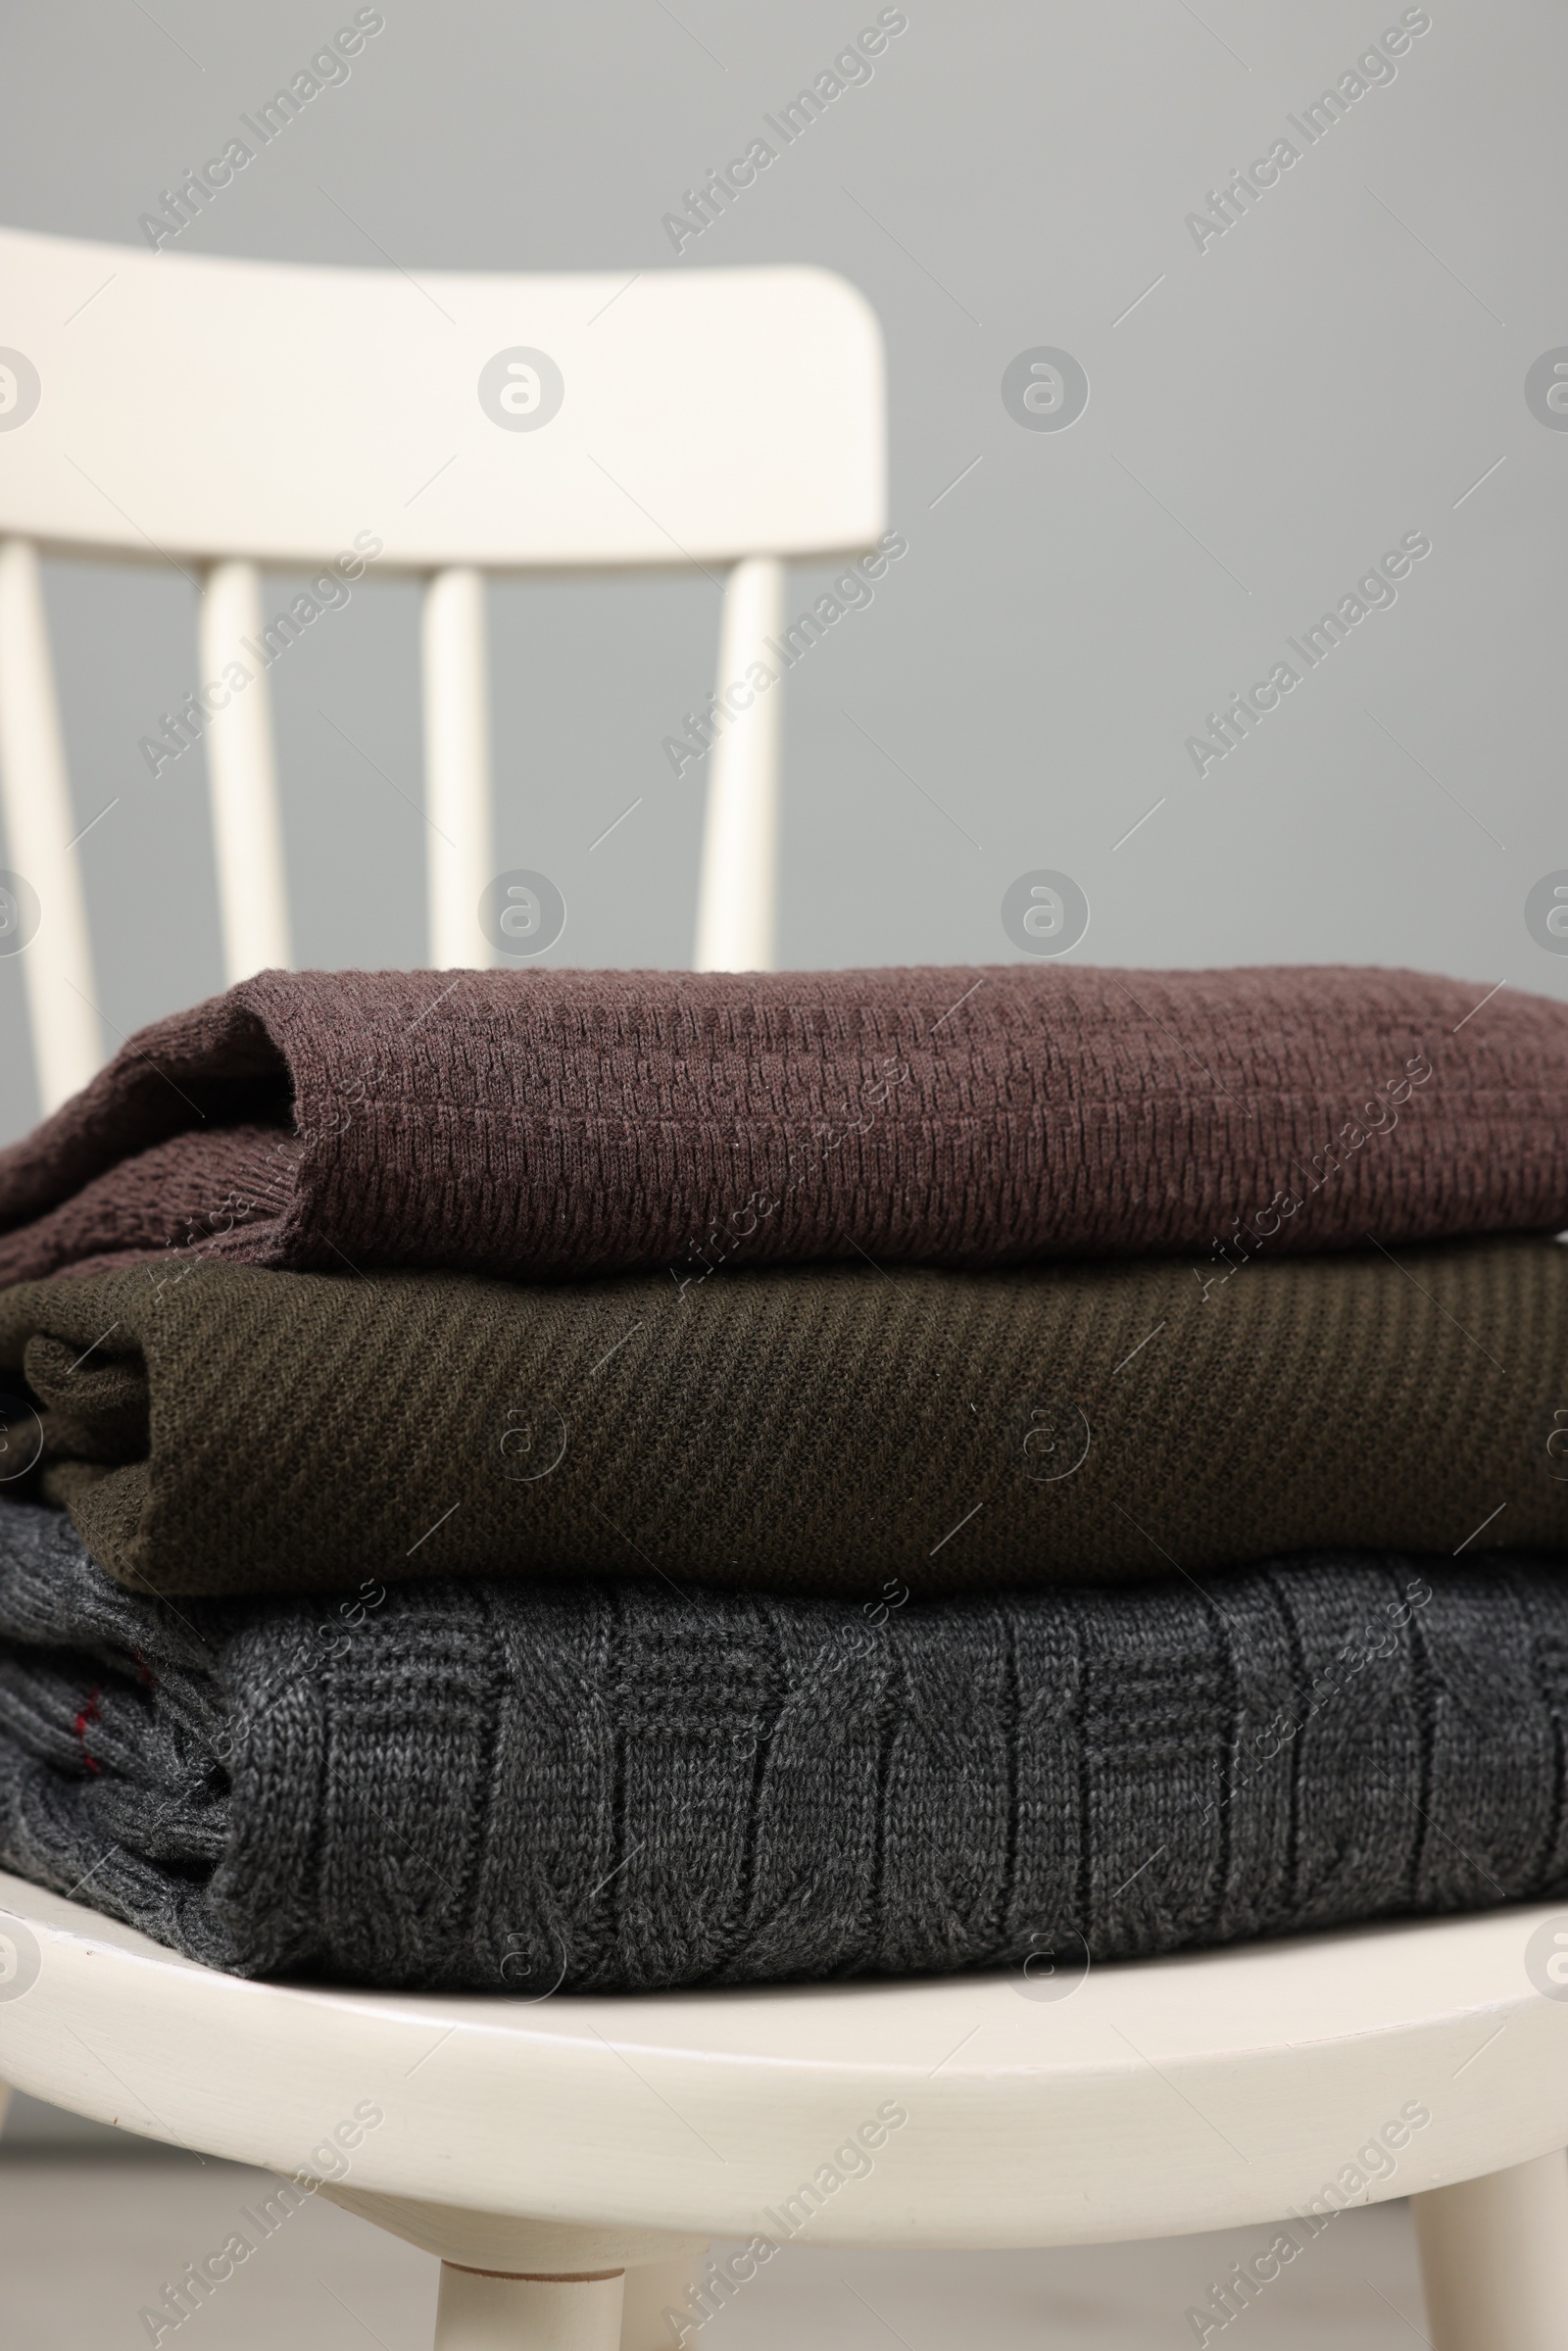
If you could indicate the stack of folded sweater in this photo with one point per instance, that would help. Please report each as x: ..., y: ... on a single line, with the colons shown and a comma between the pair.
x: 602, y: 1481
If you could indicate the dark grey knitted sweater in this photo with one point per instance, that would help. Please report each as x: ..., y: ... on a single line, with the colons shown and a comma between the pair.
x: 620, y: 1787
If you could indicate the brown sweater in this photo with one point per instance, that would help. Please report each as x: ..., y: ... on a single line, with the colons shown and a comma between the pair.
x: 557, y: 1123
x: 221, y: 1429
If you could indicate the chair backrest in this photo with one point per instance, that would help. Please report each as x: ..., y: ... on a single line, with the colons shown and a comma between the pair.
x: 224, y: 414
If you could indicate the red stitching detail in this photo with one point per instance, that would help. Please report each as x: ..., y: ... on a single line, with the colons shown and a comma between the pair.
x: 89, y: 1714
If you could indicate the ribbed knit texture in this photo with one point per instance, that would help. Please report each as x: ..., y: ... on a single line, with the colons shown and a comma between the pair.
x: 801, y: 1429
x: 620, y: 1789
x: 566, y: 1122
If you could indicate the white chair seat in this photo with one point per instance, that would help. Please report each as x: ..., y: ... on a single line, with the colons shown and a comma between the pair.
x: 1197, y: 2091
x: 1187, y: 2094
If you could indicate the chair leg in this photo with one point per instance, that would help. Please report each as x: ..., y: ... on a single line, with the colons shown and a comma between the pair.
x: 1494, y: 2259
x: 651, y: 2290
x: 480, y: 2309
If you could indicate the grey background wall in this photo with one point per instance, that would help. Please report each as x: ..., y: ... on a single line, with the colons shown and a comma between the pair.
x: 1269, y: 411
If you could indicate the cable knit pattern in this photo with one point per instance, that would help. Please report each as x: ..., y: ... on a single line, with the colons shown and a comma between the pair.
x: 225, y: 1429
x: 618, y: 1789
x: 552, y: 1123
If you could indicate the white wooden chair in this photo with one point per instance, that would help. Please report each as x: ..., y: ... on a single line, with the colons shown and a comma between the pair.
x: 569, y: 2159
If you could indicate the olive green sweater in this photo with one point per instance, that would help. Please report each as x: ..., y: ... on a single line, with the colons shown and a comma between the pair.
x: 222, y: 1428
